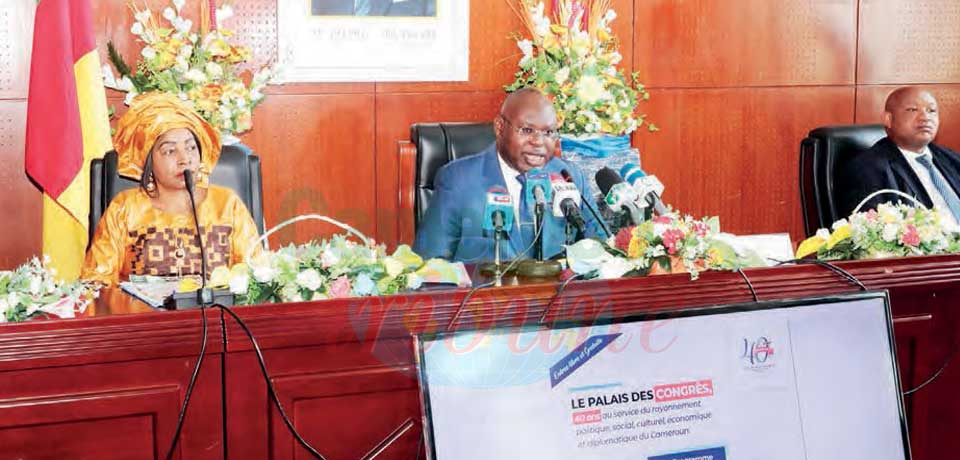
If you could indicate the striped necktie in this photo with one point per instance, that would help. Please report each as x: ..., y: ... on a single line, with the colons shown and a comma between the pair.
x: 942, y: 186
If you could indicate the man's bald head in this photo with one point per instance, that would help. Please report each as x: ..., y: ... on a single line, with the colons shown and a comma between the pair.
x: 911, y: 118
x: 526, y: 130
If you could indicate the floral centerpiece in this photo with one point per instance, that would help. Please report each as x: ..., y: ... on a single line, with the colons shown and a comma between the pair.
x: 667, y: 243
x: 32, y: 290
x: 891, y: 230
x: 330, y: 269
x: 199, y: 68
x: 573, y: 60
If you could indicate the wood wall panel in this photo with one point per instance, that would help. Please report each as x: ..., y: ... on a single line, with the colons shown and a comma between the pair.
x: 705, y: 43
x: 16, y: 22
x: 317, y: 154
x: 20, y: 203
x: 733, y: 152
x: 870, y: 101
x: 395, y: 114
x: 909, y: 41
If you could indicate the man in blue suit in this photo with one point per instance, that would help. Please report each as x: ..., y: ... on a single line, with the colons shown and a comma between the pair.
x: 526, y: 139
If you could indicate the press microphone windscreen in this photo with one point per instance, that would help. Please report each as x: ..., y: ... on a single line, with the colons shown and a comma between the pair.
x: 188, y: 179
x: 606, y: 179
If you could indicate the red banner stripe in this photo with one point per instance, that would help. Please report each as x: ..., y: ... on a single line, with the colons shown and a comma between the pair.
x: 54, y: 141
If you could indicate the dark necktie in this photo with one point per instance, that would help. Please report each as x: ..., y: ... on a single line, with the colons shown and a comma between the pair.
x: 942, y: 186
x: 526, y: 222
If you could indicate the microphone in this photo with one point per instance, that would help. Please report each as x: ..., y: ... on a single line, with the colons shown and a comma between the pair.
x: 648, y: 187
x: 566, y: 202
x: 498, y: 212
x: 619, y: 195
x: 204, y: 295
x: 588, y: 201
x: 538, y: 191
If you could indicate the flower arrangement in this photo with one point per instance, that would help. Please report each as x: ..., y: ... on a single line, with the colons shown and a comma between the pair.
x: 573, y: 60
x: 31, y: 290
x: 891, y: 230
x: 330, y: 269
x: 667, y: 243
x: 200, y: 69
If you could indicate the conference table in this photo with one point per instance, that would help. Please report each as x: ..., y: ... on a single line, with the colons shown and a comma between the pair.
x: 109, y: 384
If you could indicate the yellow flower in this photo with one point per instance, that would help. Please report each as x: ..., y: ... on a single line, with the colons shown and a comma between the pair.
x: 838, y: 235
x: 638, y: 246
x: 220, y: 277
x: 810, y: 246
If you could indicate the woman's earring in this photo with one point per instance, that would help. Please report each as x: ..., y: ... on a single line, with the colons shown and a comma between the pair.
x: 202, y: 173
x: 151, y: 185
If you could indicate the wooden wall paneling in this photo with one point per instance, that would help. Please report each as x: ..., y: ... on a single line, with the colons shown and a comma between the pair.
x: 329, y: 386
x: 317, y: 153
x: 21, y: 201
x: 913, y: 338
x: 733, y: 152
x: 905, y: 41
x: 395, y: 113
x: 870, y: 101
x: 16, y: 38
x: 121, y: 410
x: 704, y: 43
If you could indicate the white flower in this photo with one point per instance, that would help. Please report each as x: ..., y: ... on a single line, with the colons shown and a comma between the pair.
x: 615, y: 58
x: 36, y: 285
x: 214, y: 70
x: 393, y: 266
x: 290, y: 293
x: 541, y: 24
x: 137, y: 29
x: 223, y: 13
x: 148, y: 52
x: 182, y: 95
x: 178, y: 4
x: 181, y: 66
x: 839, y: 223
x: 196, y: 75
x: 309, y: 279
x: 264, y: 274
x: 193, y: 38
x: 255, y: 95
x: 182, y: 25
x: 142, y: 16
x: 610, y: 16
x: 562, y: 75
x: 125, y: 84
x: 590, y: 89
x: 823, y: 234
x: 127, y: 100
x: 239, y: 284
x: 46, y: 259
x: 414, y: 281
x: 329, y: 258
x: 169, y: 14
x: 615, y: 268
x: 889, y: 232
x: 586, y: 256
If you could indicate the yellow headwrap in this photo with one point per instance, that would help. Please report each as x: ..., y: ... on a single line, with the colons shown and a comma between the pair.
x: 151, y: 115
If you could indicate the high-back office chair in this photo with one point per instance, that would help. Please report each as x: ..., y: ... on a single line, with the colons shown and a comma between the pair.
x: 431, y: 146
x: 822, y: 153
x: 235, y: 169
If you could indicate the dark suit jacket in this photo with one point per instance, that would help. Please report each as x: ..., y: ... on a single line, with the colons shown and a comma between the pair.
x: 883, y: 166
x: 452, y: 226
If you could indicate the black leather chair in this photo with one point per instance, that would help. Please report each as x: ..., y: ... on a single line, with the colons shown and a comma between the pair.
x: 235, y: 169
x: 431, y: 146
x: 822, y: 153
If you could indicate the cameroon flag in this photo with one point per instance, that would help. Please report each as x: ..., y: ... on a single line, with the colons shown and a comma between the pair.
x: 67, y: 126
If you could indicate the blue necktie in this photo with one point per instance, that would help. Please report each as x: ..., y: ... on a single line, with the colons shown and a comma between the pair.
x: 942, y: 186
x: 526, y: 222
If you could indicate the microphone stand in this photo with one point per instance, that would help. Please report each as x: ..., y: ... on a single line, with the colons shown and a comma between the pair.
x: 205, y: 294
x: 539, y: 268
x: 497, y: 268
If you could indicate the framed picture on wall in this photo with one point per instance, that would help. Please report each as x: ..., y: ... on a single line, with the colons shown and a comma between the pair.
x: 373, y: 40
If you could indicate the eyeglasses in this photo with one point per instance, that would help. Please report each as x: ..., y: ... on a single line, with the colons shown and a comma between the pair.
x: 529, y: 132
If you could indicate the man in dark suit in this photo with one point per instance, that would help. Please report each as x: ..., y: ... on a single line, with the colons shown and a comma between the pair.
x: 906, y: 160
x: 394, y: 8
x: 526, y: 139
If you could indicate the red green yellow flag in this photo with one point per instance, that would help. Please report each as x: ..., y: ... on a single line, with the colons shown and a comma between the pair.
x: 67, y: 126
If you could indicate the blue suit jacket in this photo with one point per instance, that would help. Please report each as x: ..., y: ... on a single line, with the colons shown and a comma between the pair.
x: 452, y: 226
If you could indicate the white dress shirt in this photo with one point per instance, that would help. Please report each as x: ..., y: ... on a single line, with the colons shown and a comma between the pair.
x: 924, y: 174
x: 513, y: 185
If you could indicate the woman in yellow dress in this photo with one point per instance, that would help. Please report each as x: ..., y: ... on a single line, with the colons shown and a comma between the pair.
x: 150, y: 230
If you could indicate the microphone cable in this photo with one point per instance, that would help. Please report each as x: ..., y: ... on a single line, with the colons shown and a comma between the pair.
x: 556, y: 296
x: 854, y: 280
x: 517, y: 258
x: 193, y: 381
